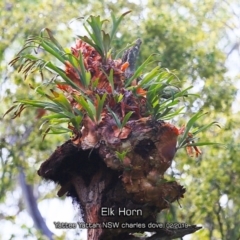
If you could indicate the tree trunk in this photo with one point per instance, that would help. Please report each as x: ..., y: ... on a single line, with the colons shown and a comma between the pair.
x: 117, y: 195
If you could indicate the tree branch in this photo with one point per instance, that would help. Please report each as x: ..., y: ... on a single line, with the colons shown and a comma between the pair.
x: 27, y: 190
x: 31, y: 205
x: 131, y: 56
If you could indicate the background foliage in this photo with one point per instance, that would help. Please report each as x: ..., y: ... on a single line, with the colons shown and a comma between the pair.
x: 196, y: 39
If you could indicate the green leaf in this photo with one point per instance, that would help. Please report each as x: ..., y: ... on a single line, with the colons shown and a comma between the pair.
x: 62, y: 101
x: 182, y: 93
x: 100, y: 106
x: 79, y: 67
x: 166, y: 104
x: 58, y: 130
x: 106, y: 43
x: 118, y: 97
x: 169, y: 92
x: 41, y: 126
x: 85, y: 105
x: 189, y: 125
x: 163, y: 114
x: 124, y: 49
x: 126, y: 118
x: 204, y: 144
x: 121, y: 155
x: 92, y: 108
x: 148, y: 77
x: 116, y: 23
x: 91, y: 43
x: 205, y: 127
x: 192, y: 121
x: 99, y: 39
x: 172, y: 114
x: 110, y: 78
x: 96, y: 35
x: 50, y: 48
x: 53, y: 116
x: 116, y: 118
x: 50, y: 34
x: 139, y: 70
x: 95, y: 83
x: 53, y: 68
x: 84, y: 76
x: 56, y: 121
x: 76, y: 122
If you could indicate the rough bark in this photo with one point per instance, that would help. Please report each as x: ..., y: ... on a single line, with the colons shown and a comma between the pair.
x: 85, y: 176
